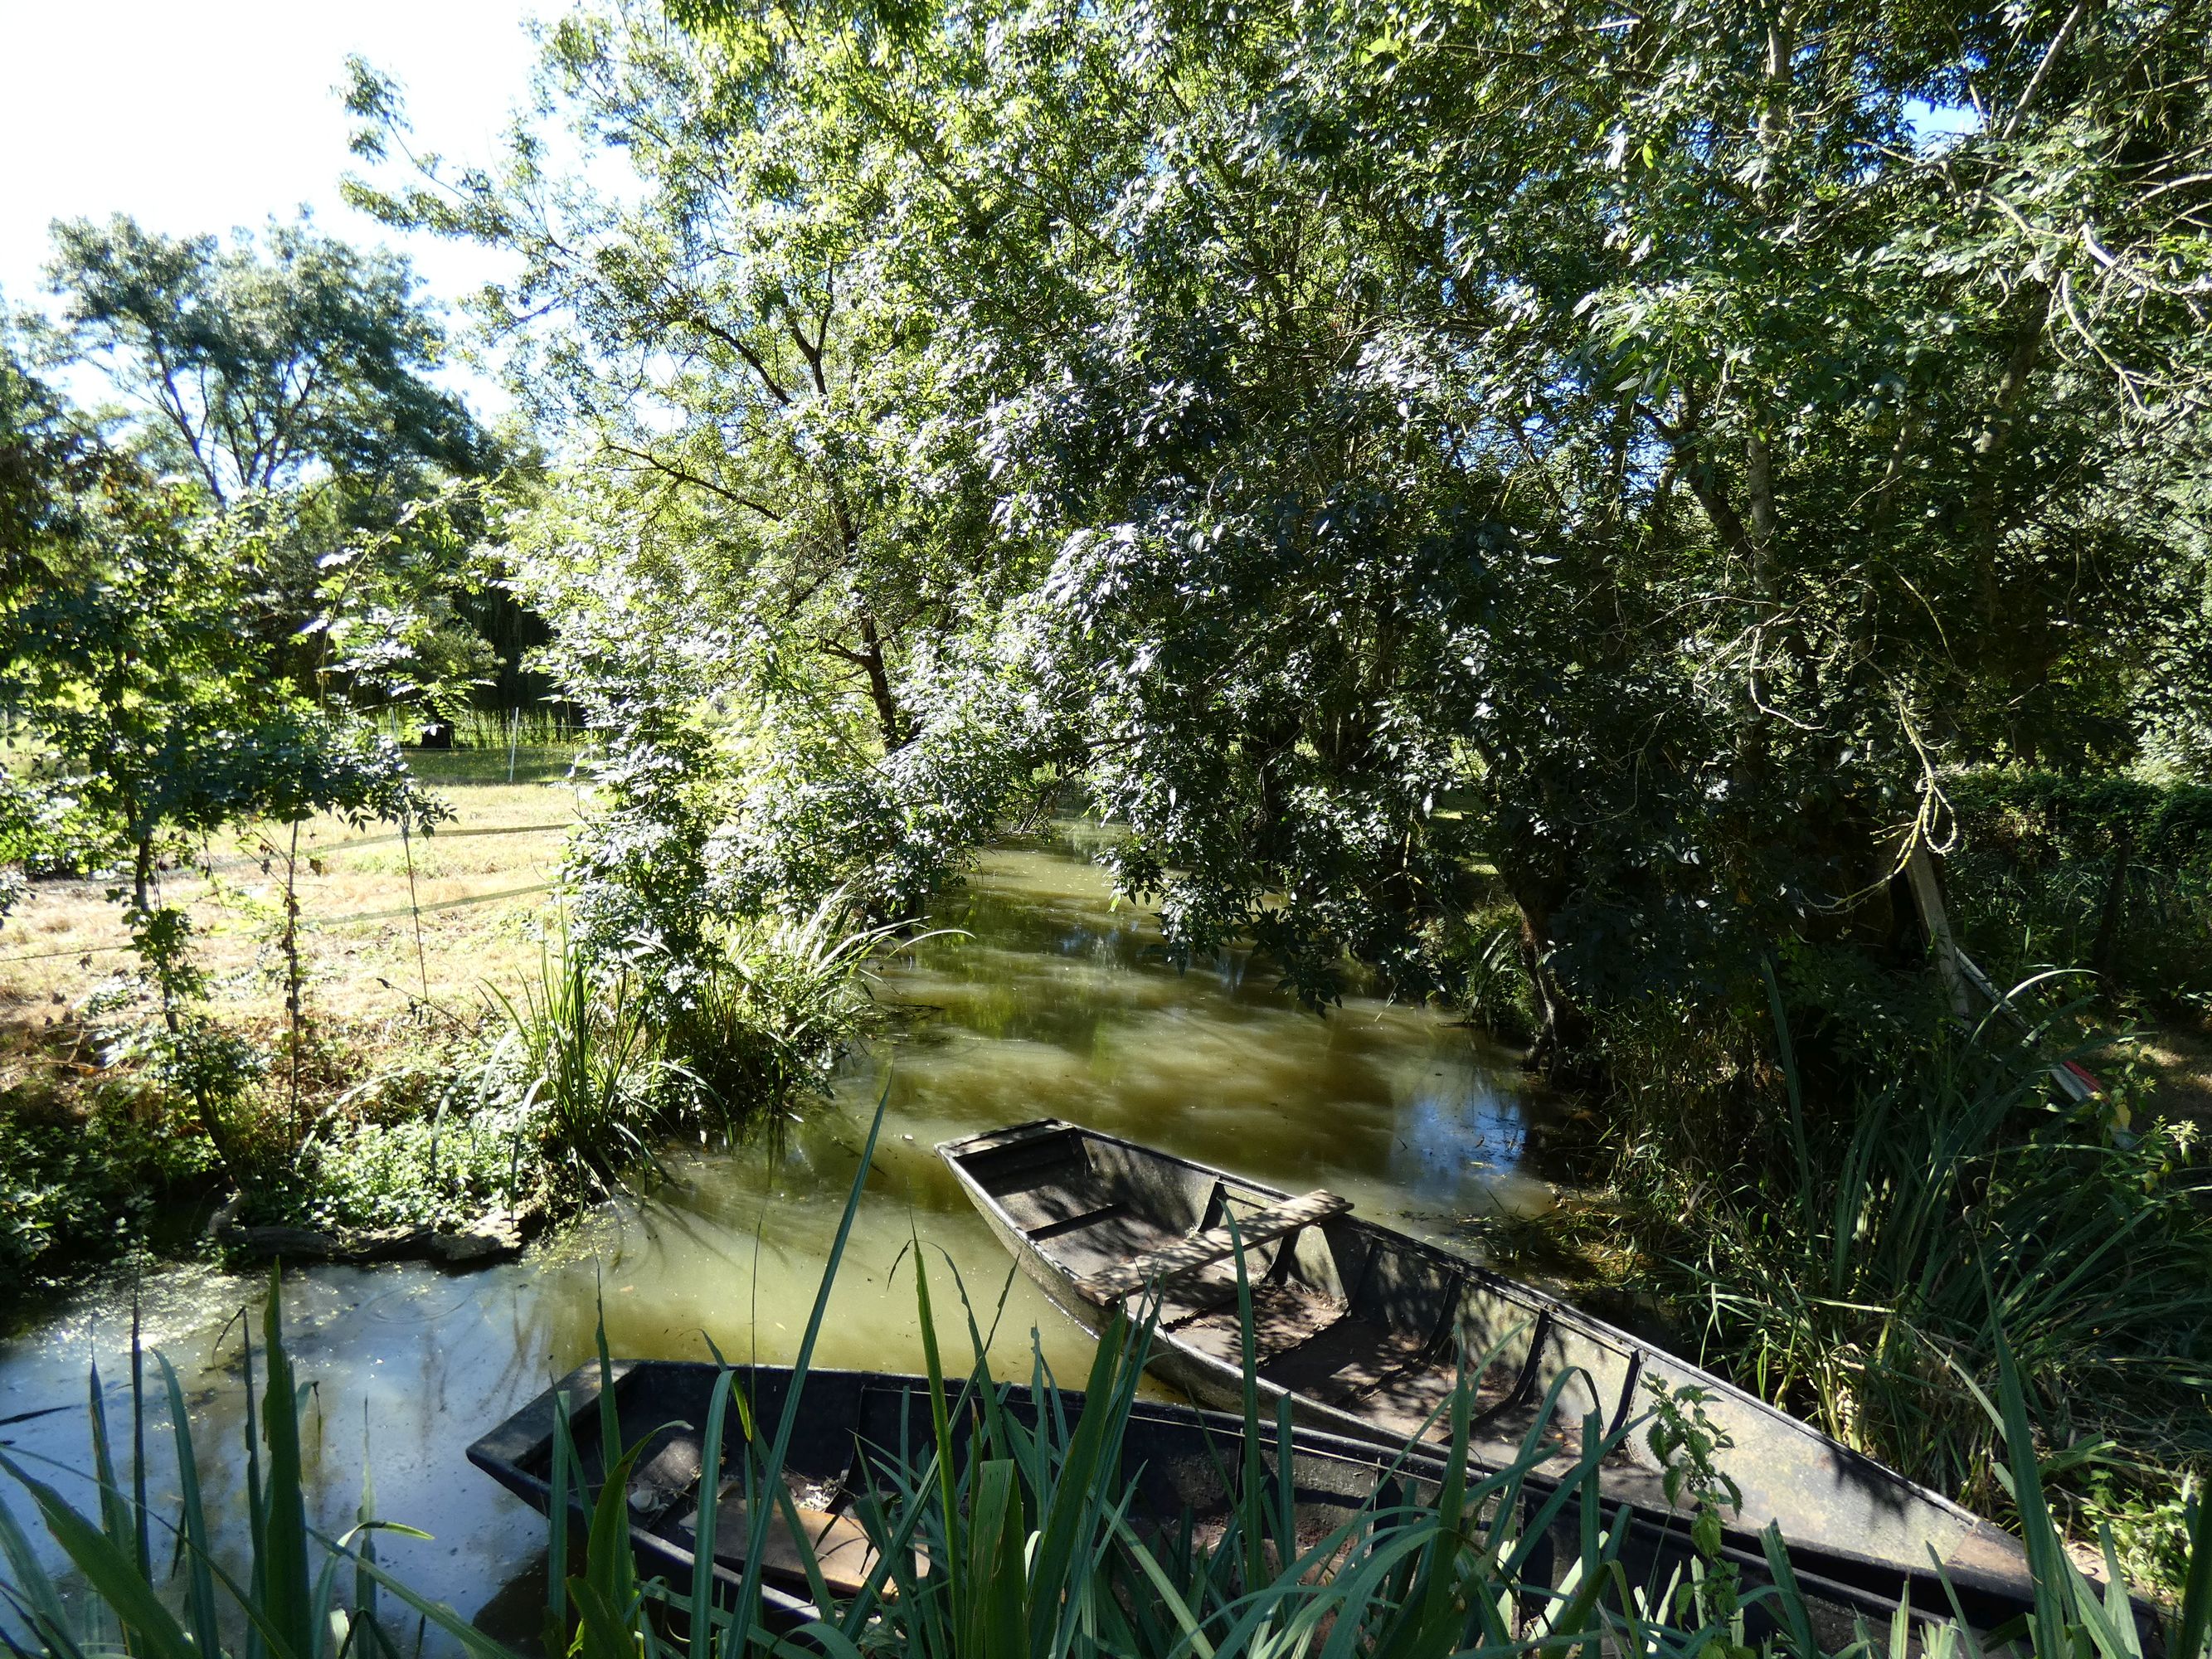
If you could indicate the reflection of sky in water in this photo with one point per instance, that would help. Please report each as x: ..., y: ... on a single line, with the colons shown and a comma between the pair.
x: 1453, y: 1137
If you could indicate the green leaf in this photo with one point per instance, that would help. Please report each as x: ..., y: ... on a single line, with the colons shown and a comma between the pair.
x: 110, y: 1570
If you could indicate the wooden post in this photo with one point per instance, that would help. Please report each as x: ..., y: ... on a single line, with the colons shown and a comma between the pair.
x: 1935, y: 923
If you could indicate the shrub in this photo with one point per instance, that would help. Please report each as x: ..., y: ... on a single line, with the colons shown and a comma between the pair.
x: 438, y: 1171
x: 77, y: 1183
x: 590, y: 1067
x: 1853, y: 1280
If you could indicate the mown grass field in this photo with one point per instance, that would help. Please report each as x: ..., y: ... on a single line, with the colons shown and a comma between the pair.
x: 480, y: 900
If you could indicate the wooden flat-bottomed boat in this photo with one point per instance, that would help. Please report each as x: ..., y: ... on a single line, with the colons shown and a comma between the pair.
x: 852, y: 1429
x: 1177, y: 1464
x: 1365, y: 1330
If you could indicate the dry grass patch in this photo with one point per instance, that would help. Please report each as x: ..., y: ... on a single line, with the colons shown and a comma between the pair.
x: 481, y: 893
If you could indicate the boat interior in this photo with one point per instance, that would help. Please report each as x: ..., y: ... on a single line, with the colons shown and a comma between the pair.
x: 824, y: 1471
x: 1346, y: 1315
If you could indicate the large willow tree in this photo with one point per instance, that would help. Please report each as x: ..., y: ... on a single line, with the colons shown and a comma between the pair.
x: 1641, y: 447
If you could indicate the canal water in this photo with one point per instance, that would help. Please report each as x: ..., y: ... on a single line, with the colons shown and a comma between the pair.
x: 1048, y: 1000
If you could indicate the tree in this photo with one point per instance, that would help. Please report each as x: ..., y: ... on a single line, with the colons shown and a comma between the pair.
x: 293, y: 374
x: 1689, y: 498
x: 719, y: 336
x: 1346, y: 443
x: 258, y: 368
x: 152, y: 719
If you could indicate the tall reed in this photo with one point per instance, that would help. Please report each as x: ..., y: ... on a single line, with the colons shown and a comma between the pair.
x: 589, y: 1058
x: 1866, y: 1279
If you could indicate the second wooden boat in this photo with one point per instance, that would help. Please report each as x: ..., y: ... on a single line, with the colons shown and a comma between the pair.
x: 858, y: 1433
x: 1363, y: 1330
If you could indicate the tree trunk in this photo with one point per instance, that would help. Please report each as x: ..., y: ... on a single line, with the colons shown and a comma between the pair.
x: 870, y: 654
x: 292, y: 975
x: 1560, y: 1048
x: 1936, y: 926
x: 142, y: 877
x: 142, y: 902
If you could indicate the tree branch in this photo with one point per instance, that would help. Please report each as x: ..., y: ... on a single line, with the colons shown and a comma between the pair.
x: 683, y: 475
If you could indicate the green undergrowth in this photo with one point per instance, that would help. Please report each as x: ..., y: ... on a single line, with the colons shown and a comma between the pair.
x: 2108, y: 876
x: 1835, y: 1233
x: 564, y: 1091
x: 80, y: 1179
x: 532, y: 1105
x: 1011, y: 1541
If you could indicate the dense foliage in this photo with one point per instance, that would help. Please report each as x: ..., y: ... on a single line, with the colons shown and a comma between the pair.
x: 1558, y: 508
x: 201, y: 602
x: 1346, y: 443
x: 2110, y: 873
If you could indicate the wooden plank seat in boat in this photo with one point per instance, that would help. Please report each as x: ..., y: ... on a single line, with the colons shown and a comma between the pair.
x: 842, y: 1549
x: 1283, y: 1317
x: 1202, y: 1250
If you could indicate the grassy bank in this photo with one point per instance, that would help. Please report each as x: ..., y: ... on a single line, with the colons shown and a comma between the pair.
x: 452, y: 1062
x: 398, y: 938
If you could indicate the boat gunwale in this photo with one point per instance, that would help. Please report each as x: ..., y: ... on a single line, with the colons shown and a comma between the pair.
x: 957, y: 1151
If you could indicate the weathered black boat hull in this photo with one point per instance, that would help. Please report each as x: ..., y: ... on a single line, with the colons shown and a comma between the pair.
x: 1847, y: 1520
x: 1175, y: 1462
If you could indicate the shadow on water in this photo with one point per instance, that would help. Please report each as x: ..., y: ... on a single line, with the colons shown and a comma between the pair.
x: 1051, y: 1001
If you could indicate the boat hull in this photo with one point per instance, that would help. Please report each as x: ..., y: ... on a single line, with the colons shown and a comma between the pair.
x: 1846, y: 1518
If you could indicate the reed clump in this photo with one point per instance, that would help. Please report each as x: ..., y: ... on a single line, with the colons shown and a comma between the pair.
x: 1863, y: 1257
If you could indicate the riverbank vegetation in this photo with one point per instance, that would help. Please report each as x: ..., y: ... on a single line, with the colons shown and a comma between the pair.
x: 223, y: 602
x: 1648, y: 528
x: 1654, y: 528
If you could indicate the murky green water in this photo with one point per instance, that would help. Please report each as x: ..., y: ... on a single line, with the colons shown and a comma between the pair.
x: 1053, y: 1004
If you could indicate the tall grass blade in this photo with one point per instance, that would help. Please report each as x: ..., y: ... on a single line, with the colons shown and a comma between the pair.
x: 257, y: 1516
x: 471, y: 1641
x: 997, y: 1580
x: 114, y: 1508
x: 110, y: 1569
x: 287, y: 1592
x: 610, y: 1417
x: 30, y: 1587
x: 605, y: 1594
x: 199, y: 1583
x: 710, y: 1486
x: 563, y: 1480
x: 138, y: 1512
x: 760, y: 1513
x: 939, y: 1420
x: 2193, y: 1621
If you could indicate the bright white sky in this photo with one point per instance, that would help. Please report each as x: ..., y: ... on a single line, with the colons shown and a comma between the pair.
x: 199, y: 115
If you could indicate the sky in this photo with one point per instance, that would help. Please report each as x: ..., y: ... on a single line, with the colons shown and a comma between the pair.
x: 201, y: 116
